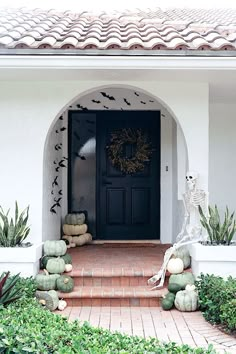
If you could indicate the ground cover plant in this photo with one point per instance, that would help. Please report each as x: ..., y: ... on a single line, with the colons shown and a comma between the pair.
x: 26, y: 327
x: 217, y: 300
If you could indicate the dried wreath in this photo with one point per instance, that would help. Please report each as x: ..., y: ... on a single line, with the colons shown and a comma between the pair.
x: 142, y: 155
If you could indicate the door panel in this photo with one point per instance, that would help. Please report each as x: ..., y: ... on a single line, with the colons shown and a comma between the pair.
x: 128, y: 206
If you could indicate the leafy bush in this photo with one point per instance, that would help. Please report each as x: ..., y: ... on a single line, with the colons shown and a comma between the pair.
x: 13, y: 232
x: 216, y: 298
x: 220, y: 234
x: 26, y: 327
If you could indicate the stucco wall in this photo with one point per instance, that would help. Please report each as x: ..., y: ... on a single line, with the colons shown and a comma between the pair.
x: 222, y: 160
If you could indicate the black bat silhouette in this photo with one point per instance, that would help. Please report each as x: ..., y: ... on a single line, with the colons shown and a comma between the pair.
x: 163, y: 115
x: 142, y: 102
x: 57, y: 168
x: 52, y: 192
x: 61, y: 118
x: 57, y: 203
x: 57, y: 131
x: 127, y: 102
x: 55, y: 183
x: 111, y: 98
x: 52, y: 210
x: 80, y: 156
x: 96, y: 101
x: 89, y: 121
x: 60, y: 192
x: 61, y: 164
x: 136, y: 93
x: 66, y: 158
x: 62, y: 129
x: 55, y: 162
x: 151, y: 101
x: 57, y: 147
x: 82, y: 107
x: 105, y: 107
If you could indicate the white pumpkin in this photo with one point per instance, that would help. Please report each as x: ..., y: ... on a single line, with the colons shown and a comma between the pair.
x: 68, y: 267
x: 190, y: 287
x: 175, y: 266
x: 62, y: 305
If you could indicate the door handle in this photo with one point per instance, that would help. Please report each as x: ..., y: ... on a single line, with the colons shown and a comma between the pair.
x: 104, y: 182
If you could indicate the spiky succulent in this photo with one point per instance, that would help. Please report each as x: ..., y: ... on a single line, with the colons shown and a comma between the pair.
x: 13, y: 232
x: 7, y: 292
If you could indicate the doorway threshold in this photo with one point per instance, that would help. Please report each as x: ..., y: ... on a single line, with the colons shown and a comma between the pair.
x: 126, y: 243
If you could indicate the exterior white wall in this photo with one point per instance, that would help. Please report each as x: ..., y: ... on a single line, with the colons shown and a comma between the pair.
x: 222, y: 161
x: 28, y: 110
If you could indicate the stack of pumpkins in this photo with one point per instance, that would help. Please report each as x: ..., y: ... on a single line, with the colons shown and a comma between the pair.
x: 182, y: 293
x: 75, y: 230
x: 54, y: 262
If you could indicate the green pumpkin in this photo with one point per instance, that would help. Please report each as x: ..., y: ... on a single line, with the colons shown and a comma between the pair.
x: 65, y: 284
x: 167, y: 302
x: 75, y: 219
x: 54, y: 248
x: 44, y: 260
x: 55, y: 265
x: 186, y: 301
x: 45, y: 281
x: 183, y: 254
x: 67, y: 258
x: 174, y: 288
x: 182, y: 279
x: 48, y: 298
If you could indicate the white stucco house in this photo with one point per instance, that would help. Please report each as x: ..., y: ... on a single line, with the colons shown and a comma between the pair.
x: 68, y: 80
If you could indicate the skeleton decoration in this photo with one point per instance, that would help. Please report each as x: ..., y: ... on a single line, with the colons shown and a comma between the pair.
x: 191, y: 230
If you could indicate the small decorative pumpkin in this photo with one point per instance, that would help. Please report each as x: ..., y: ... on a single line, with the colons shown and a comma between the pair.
x: 175, y: 266
x: 44, y: 261
x: 183, y: 253
x: 75, y: 219
x: 168, y: 301
x: 72, y: 230
x: 82, y: 239
x: 186, y: 300
x: 68, y: 268
x: 45, y: 281
x: 182, y: 279
x: 65, y: 284
x: 48, y: 298
x: 62, y: 304
x: 67, y: 258
x: 54, y: 248
x: 190, y: 287
x: 55, y: 265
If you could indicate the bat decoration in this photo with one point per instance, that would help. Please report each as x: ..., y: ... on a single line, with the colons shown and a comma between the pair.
x: 57, y: 201
x: 151, y: 101
x: 52, y: 210
x: 82, y: 107
x: 55, y: 162
x: 111, y: 98
x: 70, y: 106
x: 61, y: 118
x: 163, y: 115
x: 57, y: 131
x: 61, y: 163
x: 62, y: 129
x: 127, y: 102
x: 105, y: 107
x: 136, y: 94
x: 55, y: 183
x: 80, y: 156
x: 96, y: 101
x: 142, y: 102
x: 60, y: 192
x: 57, y: 147
x: 77, y: 136
x: 57, y: 168
x: 52, y: 192
x: 65, y: 158
x: 90, y: 121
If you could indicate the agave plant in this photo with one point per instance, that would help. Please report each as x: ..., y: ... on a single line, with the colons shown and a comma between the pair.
x: 13, y: 232
x: 220, y: 234
x: 7, y: 292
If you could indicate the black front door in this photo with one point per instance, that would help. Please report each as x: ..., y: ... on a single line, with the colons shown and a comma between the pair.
x: 128, y: 205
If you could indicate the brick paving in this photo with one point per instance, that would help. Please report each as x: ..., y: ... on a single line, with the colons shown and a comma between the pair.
x: 174, y: 326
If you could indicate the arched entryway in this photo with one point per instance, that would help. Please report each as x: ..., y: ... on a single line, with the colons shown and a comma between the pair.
x: 73, y: 179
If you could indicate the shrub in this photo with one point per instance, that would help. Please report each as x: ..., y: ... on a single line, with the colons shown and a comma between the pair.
x: 216, y: 299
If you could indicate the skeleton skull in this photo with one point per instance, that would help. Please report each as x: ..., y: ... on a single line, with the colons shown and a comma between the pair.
x: 191, y: 179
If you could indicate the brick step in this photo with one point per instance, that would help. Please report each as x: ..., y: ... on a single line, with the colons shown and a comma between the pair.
x: 113, y: 296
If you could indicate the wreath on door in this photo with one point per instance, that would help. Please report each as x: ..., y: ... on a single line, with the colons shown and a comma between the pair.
x: 142, y: 150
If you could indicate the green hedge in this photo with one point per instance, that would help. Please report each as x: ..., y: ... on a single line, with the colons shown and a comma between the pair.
x: 217, y: 299
x: 26, y: 327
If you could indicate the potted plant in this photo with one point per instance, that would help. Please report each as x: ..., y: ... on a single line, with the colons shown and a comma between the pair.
x: 216, y: 255
x: 16, y: 255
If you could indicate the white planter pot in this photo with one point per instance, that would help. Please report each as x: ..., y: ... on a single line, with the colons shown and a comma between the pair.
x: 217, y: 260
x: 23, y: 260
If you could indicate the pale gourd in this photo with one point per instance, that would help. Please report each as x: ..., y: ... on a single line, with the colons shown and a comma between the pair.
x: 75, y: 219
x: 54, y: 248
x: 48, y: 298
x: 186, y: 300
x: 190, y: 287
x: 62, y: 304
x: 82, y: 239
x: 175, y: 266
x: 55, y: 265
x: 68, y: 268
x: 45, y: 281
x: 65, y: 284
x: 182, y: 279
x: 183, y: 253
x: 73, y: 230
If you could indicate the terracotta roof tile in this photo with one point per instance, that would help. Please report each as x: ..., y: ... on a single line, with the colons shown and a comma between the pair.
x: 150, y: 29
